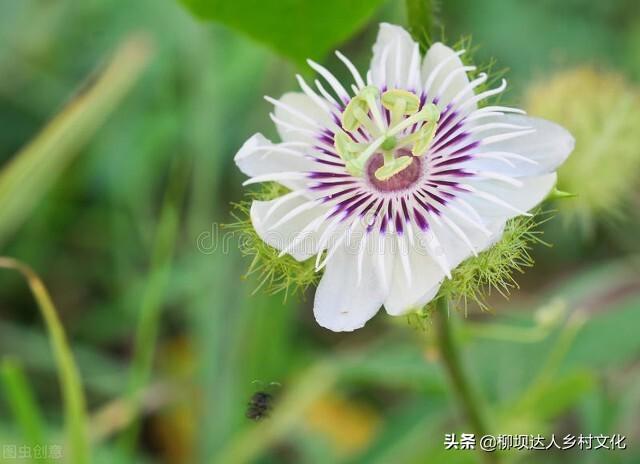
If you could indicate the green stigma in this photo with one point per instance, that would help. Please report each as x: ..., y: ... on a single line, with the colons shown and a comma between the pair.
x: 389, y: 143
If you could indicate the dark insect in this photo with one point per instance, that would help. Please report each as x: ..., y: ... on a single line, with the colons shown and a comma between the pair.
x: 260, y: 404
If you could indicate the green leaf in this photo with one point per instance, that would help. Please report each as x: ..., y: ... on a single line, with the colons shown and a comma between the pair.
x: 550, y: 399
x: 298, y: 29
x: 610, y: 337
x: 407, y: 432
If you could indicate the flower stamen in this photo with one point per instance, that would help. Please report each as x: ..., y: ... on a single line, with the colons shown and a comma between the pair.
x: 424, y: 137
x: 364, y: 112
x: 400, y: 103
x: 392, y: 166
x: 356, y: 114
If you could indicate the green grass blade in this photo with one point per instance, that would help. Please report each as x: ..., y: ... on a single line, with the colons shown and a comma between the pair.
x: 29, y: 175
x: 152, y: 299
x: 23, y: 404
x: 70, y: 383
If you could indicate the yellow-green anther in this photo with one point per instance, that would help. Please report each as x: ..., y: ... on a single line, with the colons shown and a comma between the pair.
x: 425, y: 136
x: 393, y: 167
x: 431, y: 112
x: 400, y: 103
x: 351, y: 116
x: 407, y: 102
x: 357, y: 111
x: 345, y: 146
x: 364, y: 119
x: 350, y: 152
x: 389, y: 143
x: 427, y: 113
x: 369, y: 93
x: 428, y: 130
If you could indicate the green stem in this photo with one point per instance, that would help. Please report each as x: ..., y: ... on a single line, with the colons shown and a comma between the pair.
x: 466, y: 395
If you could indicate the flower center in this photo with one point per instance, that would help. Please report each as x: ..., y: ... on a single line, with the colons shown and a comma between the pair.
x: 382, y: 125
x: 402, y: 180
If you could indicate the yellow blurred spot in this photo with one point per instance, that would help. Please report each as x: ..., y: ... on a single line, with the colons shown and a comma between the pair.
x: 349, y: 426
x: 175, y: 427
x: 432, y: 353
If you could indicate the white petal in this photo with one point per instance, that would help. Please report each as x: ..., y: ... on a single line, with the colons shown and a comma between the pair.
x: 259, y: 156
x: 427, y: 274
x: 391, y: 62
x: 496, y: 201
x: 302, y: 121
x: 436, y: 54
x: 405, y: 295
x: 340, y: 303
x: 352, y: 69
x: 264, y: 217
x: 544, y: 150
x: 458, y: 249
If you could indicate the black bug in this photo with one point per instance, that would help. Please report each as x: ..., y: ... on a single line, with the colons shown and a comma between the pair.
x: 260, y: 404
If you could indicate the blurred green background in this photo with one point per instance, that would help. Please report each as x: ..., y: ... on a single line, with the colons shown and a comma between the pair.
x: 121, y: 221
